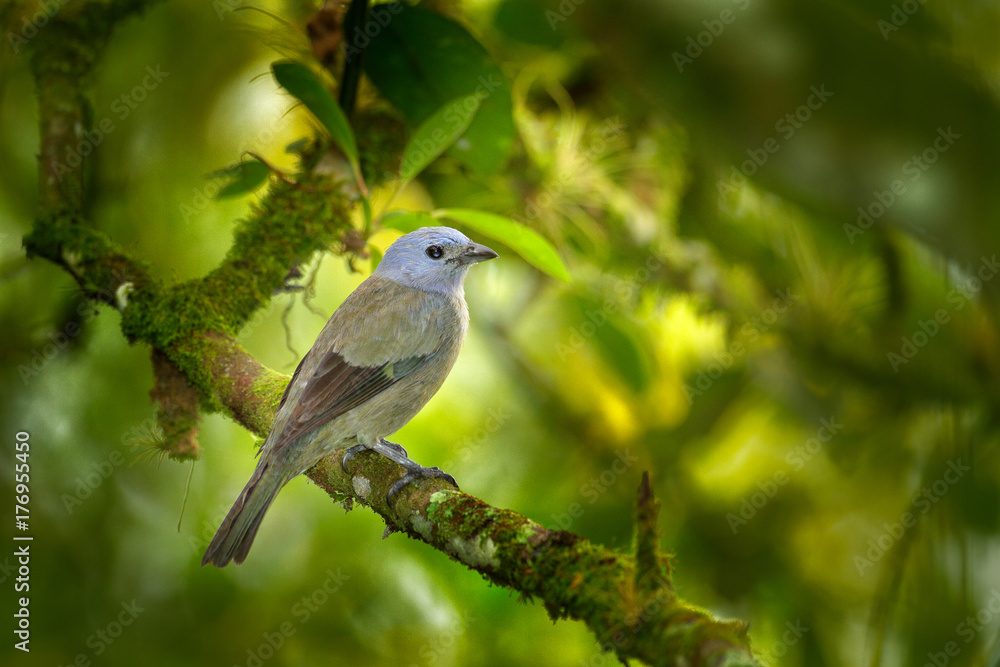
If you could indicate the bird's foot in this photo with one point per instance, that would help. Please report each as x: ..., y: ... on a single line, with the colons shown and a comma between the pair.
x: 357, y: 449
x: 394, y: 452
x: 414, y: 473
x: 397, y: 448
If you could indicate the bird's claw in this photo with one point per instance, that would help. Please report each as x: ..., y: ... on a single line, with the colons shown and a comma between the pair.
x: 413, y: 474
x: 349, y: 456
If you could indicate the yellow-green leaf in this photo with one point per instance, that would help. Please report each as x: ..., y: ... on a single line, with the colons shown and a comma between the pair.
x: 306, y: 87
x: 526, y: 242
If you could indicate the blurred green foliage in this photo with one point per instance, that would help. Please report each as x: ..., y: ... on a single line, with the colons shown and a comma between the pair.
x: 776, y: 217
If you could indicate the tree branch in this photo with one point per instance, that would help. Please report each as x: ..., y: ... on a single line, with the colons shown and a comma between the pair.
x: 627, y: 601
x: 177, y: 408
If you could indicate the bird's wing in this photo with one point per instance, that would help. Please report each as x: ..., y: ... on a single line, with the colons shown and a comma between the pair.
x: 336, y: 387
x: 382, y: 333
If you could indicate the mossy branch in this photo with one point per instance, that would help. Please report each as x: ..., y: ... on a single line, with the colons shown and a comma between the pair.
x: 628, y: 601
x: 632, y: 614
x: 177, y: 408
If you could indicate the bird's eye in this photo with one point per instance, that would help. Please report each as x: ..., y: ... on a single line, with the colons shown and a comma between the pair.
x: 435, y: 252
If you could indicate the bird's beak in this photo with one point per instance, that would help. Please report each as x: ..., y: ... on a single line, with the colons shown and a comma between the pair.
x: 475, y: 253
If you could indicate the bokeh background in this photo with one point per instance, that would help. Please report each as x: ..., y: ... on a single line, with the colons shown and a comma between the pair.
x: 781, y: 223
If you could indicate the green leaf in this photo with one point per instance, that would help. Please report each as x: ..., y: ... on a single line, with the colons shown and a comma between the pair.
x: 420, y: 61
x: 306, y: 87
x: 437, y: 133
x: 408, y: 221
x: 526, y: 242
x: 244, y: 177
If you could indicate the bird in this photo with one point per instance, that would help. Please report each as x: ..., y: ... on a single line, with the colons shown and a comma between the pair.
x: 382, y: 355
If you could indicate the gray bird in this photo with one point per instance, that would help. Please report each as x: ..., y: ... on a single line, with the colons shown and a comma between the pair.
x: 382, y: 355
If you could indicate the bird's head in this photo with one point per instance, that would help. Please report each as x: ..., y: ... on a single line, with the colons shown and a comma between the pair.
x: 433, y: 259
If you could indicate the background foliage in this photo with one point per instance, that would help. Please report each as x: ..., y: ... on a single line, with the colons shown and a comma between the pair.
x: 776, y: 219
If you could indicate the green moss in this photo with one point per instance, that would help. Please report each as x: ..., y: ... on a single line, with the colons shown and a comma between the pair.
x: 292, y: 223
x: 285, y: 229
x: 63, y: 56
x: 172, y: 316
x: 169, y: 320
x: 180, y: 431
x: 269, y: 387
x: 98, y: 264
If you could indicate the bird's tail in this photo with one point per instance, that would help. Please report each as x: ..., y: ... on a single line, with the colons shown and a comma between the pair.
x: 235, y: 536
